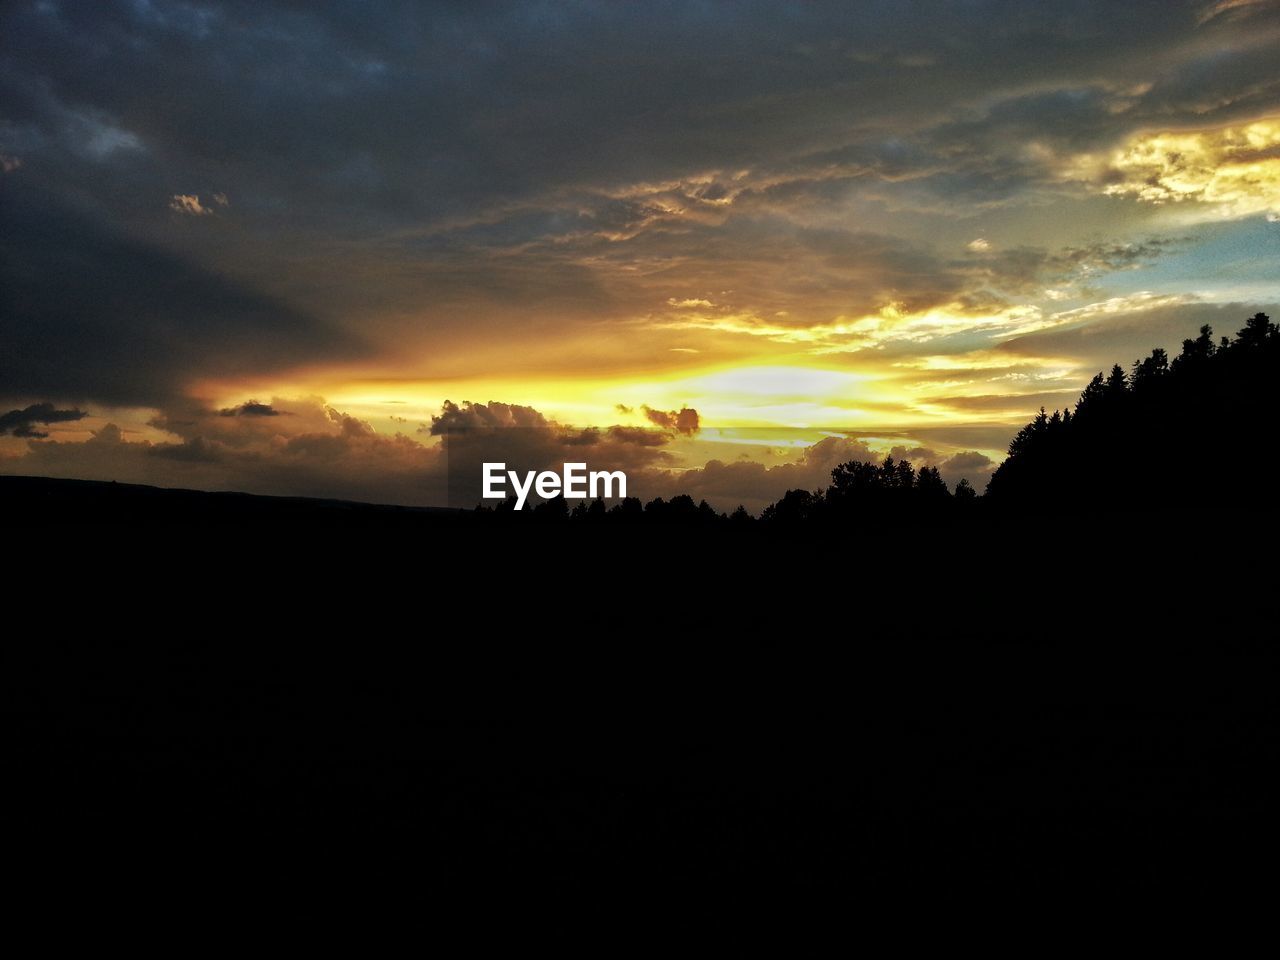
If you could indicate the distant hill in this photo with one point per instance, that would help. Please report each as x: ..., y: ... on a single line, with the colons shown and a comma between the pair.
x: 46, y: 499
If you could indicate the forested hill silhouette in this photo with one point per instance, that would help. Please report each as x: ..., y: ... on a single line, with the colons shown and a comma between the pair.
x: 1166, y: 432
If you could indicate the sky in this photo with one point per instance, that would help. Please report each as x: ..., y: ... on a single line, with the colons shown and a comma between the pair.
x: 292, y: 248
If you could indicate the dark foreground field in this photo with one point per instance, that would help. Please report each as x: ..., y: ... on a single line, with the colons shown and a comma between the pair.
x: 299, y: 692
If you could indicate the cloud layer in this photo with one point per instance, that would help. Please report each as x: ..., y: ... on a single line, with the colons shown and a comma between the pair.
x: 956, y: 208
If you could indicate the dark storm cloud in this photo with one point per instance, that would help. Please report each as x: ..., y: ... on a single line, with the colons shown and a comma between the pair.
x: 89, y: 313
x: 22, y: 423
x: 252, y: 408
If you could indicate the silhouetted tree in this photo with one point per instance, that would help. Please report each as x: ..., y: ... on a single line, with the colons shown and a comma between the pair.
x: 1117, y: 386
x: 1147, y: 372
x: 1256, y: 331
x: 628, y: 508
x: 795, y: 506
x: 931, y: 485
x: 1196, y: 351
x: 1091, y: 397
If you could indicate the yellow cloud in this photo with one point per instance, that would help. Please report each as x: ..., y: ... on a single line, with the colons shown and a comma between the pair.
x: 892, y: 322
x: 1220, y: 172
x: 1141, y: 300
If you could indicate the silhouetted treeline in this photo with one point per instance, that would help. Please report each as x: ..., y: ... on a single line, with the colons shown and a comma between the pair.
x: 858, y: 490
x: 863, y: 491
x: 680, y: 510
x: 1167, y: 431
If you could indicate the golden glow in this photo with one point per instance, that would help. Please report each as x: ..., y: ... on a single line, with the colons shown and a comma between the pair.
x: 788, y: 397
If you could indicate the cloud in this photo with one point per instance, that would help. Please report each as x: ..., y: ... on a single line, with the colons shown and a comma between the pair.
x: 1232, y: 7
x: 522, y: 437
x: 1114, y: 306
x: 251, y: 408
x: 9, y: 164
x: 725, y: 484
x: 21, y: 423
x: 968, y: 463
x: 638, y: 435
x: 317, y: 452
x: 188, y: 204
x: 1030, y: 271
x: 1224, y: 172
x: 978, y: 245
x: 684, y: 421
x: 1016, y: 404
x: 485, y: 416
x: 971, y: 465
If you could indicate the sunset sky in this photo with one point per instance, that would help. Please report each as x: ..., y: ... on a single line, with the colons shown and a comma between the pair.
x: 259, y: 246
